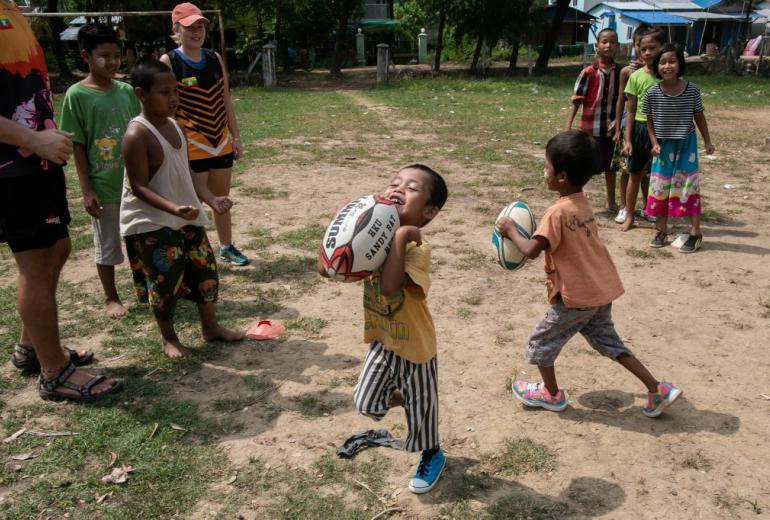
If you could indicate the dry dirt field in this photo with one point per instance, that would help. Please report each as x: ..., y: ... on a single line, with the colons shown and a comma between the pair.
x: 701, y: 321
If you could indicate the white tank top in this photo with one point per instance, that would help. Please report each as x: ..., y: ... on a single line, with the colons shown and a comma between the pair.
x: 172, y: 181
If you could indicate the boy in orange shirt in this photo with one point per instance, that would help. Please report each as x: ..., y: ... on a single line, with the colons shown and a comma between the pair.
x: 582, y: 280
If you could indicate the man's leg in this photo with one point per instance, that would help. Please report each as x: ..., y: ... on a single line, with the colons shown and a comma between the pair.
x: 39, y: 271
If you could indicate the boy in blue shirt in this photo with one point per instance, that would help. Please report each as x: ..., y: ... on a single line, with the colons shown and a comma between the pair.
x: 97, y: 111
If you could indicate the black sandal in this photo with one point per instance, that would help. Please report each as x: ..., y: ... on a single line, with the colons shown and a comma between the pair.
x: 47, y: 388
x: 31, y: 363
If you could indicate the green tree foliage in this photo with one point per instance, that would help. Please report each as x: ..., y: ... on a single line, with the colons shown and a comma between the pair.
x: 411, y: 16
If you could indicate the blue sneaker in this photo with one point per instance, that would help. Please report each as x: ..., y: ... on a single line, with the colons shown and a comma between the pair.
x: 428, y: 471
x: 231, y: 255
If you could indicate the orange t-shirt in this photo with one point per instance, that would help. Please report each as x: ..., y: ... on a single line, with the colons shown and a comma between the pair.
x: 577, y: 263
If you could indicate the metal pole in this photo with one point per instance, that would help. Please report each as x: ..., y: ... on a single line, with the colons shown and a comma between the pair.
x: 702, y: 35
x: 109, y: 13
x: 222, y: 40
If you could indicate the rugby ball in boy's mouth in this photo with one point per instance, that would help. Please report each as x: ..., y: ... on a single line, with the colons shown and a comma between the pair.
x: 358, y: 238
x: 508, y: 255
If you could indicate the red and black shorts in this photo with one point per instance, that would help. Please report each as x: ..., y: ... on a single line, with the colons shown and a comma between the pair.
x: 33, y: 210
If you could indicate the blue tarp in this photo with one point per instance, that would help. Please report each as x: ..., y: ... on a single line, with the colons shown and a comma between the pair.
x: 706, y: 3
x: 656, y: 17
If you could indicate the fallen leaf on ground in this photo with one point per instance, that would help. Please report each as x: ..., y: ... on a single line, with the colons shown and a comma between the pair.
x: 23, y: 456
x: 118, y: 475
x: 232, y: 479
x: 177, y: 427
x: 113, y: 458
x: 102, y: 498
x: 154, y: 429
x: 14, y: 436
x: 765, y: 396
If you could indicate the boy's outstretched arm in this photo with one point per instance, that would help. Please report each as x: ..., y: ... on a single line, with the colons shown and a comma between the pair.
x: 136, y: 157
x: 531, y: 248
x: 394, y: 278
x: 220, y: 204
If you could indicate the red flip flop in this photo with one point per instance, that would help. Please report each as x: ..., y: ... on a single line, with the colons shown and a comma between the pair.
x: 265, y: 329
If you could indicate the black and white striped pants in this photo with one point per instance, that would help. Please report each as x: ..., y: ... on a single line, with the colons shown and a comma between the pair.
x: 384, y: 372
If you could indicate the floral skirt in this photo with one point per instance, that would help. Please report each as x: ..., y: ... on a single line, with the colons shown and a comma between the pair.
x: 674, y: 179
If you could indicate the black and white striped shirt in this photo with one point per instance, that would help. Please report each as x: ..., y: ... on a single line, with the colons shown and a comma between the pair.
x: 672, y: 116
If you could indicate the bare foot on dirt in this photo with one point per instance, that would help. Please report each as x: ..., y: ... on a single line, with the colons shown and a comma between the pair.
x: 114, y: 309
x: 628, y: 223
x: 174, y: 349
x: 219, y: 333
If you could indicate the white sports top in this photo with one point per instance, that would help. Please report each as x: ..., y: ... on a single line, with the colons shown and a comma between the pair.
x: 172, y: 181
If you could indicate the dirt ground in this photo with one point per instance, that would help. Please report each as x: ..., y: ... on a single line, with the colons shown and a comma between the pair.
x: 699, y: 320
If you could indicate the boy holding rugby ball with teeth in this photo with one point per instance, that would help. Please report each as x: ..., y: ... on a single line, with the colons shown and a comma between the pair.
x: 582, y: 280
x: 400, y: 367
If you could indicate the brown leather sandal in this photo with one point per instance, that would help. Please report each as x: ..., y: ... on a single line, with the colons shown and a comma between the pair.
x: 47, y: 388
x: 30, y: 362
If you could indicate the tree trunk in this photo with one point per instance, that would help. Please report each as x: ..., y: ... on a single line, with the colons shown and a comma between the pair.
x: 57, y: 26
x: 343, y: 14
x: 552, y: 35
x: 477, y: 53
x: 515, y: 44
x: 440, y: 37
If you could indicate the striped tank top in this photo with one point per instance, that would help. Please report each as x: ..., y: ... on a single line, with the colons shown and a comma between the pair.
x: 201, y: 107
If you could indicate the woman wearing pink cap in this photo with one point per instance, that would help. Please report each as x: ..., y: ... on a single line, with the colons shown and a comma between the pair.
x: 206, y: 112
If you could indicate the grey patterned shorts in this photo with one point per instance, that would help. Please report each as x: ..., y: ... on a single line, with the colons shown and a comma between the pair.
x: 560, y: 323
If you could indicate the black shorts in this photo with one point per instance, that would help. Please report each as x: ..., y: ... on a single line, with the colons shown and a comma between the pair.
x: 212, y: 163
x: 33, y: 210
x: 641, y: 151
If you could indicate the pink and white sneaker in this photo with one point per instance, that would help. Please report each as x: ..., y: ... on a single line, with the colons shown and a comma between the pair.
x: 536, y: 395
x: 662, y: 399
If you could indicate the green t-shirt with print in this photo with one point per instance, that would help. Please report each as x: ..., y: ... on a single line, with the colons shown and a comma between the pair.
x: 99, y: 118
x: 637, y: 85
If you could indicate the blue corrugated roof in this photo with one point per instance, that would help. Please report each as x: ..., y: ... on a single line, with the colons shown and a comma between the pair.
x: 656, y: 17
x: 706, y: 3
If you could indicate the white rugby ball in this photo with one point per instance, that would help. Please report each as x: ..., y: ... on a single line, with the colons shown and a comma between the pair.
x: 358, y: 238
x: 508, y: 255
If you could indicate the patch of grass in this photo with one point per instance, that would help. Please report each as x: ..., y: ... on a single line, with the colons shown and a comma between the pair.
x: 524, y: 507
x: 697, y: 461
x: 263, y: 192
x: 313, y: 405
x: 471, y: 258
x: 635, y: 252
x: 664, y: 253
x: 307, y: 326
x: 522, y: 456
x: 348, y: 380
x: 472, y: 299
x: 457, y: 511
x: 715, y: 216
x: 261, y: 239
x: 256, y: 383
x: 463, y: 313
x: 468, y: 485
x: 306, y: 238
x: 170, y: 468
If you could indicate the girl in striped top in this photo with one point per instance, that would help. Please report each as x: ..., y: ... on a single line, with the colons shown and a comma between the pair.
x: 671, y: 107
x: 206, y: 112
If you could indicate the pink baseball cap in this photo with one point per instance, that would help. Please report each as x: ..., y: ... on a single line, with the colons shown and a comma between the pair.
x: 187, y: 14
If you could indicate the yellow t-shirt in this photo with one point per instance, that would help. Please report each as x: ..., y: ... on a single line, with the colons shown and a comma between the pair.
x: 402, y: 321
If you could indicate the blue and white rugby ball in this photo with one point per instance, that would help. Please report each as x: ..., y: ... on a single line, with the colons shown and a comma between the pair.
x: 508, y: 255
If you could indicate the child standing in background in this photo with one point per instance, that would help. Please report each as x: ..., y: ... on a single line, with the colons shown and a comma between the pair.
x: 97, y: 111
x: 596, y: 90
x: 621, y: 163
x: 206, y: 112
x: 671, y: 107
x: 637, y: 146
x: 161, y: 216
